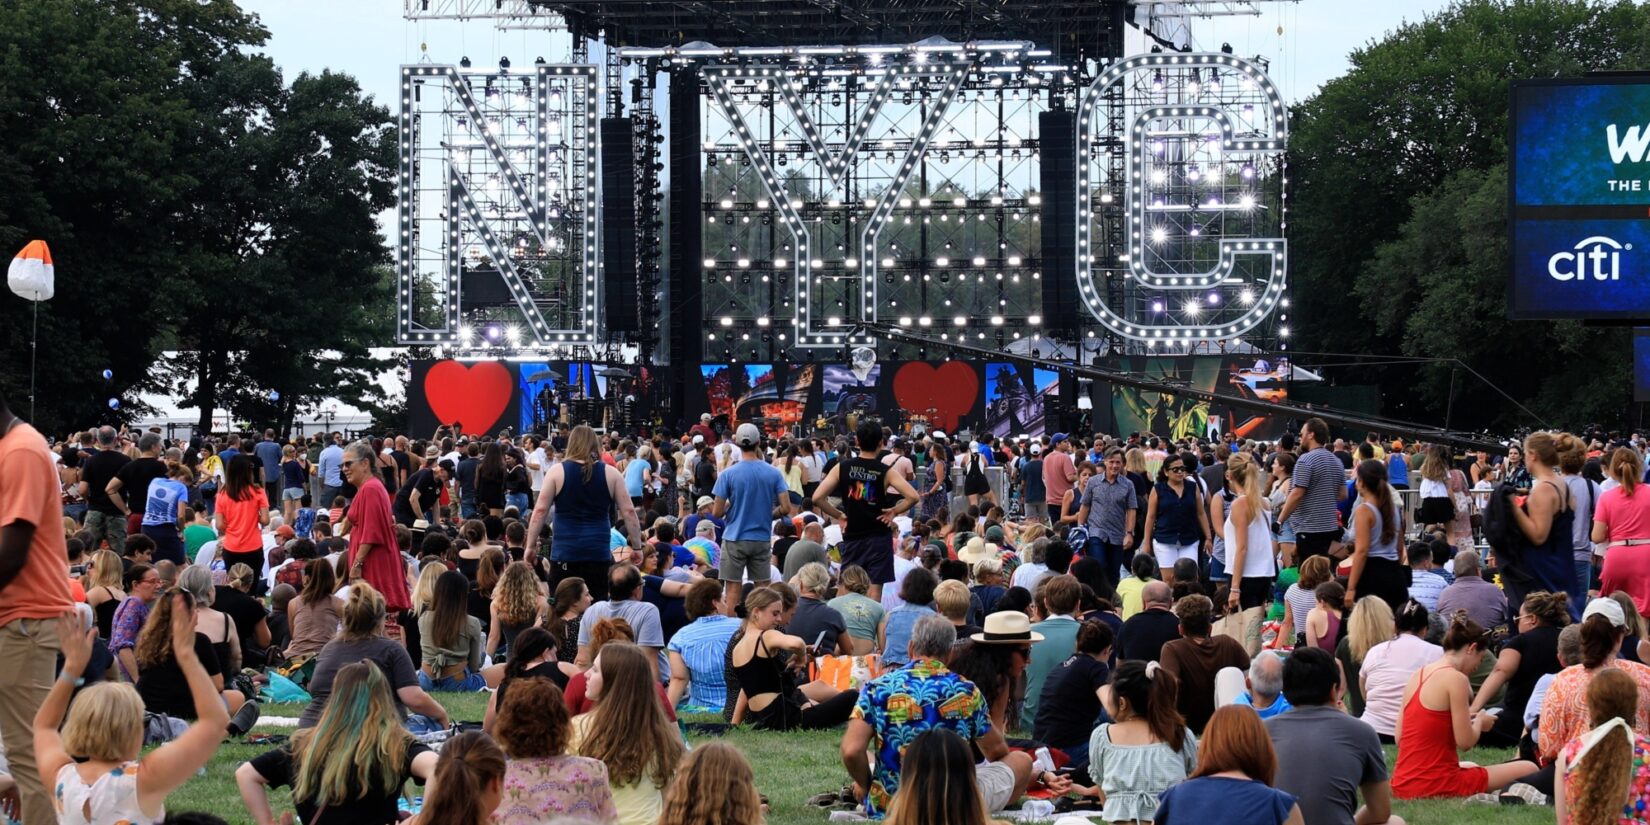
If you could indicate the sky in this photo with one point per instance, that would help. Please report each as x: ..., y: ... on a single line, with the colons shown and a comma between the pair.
x: 370, y: 40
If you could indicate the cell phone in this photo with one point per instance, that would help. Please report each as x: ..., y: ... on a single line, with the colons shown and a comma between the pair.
x: 818, y: 640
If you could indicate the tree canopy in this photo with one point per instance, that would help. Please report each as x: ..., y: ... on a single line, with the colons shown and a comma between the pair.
x: 194, y: 202
x: 1398, y: 219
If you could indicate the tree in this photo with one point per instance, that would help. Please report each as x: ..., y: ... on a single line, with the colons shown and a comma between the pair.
x: 1412, y: 134
x: 194, y: 203
x: 95, y: 118
x: 300, y: 255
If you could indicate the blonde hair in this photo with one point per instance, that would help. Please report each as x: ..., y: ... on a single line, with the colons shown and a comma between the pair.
x: 951, y: 597
x: 363, y: 612
x: 358, y: 744
x: 516, y: 597
x: 1370, y: 624
x: 1247, y: 473
x: 1134, y: 460
x: 107, y: 571
x: 105, y: 723
x: 1435, y: 467
x: 628, y: 730
x: 583, y: 446
x: 812, y: 578
x: 719, y: 766
x: 423, y: 594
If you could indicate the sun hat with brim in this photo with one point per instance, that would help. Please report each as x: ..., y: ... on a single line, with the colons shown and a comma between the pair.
x: 703, y: 501
x: 1007, y: 627
x: 977, y: 550
x: 1608, y: 608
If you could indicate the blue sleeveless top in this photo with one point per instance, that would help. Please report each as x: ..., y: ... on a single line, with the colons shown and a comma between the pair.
x: 1177, y: 515
x: 583, y: 517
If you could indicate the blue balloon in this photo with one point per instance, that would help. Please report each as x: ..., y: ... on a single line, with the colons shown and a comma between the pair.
x: 108, y: 375
x: 274, y: 395
x: 114, y: 403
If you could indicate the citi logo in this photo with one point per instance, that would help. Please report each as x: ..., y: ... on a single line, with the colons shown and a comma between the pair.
x: 1633, y: 146
x: 1597, y: 258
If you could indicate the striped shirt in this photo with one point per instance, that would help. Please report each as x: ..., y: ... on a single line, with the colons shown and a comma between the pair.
x: 702, y: 645
x: 1321, y: 475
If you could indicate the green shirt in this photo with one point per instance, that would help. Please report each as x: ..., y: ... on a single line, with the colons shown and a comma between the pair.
x: 1059, y: 642
x: 194, y: 536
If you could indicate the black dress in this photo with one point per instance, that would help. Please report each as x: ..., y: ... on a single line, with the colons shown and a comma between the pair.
x: 974, y: 481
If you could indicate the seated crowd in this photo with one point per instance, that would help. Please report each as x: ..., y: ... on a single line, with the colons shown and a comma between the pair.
x: 1238, y: 657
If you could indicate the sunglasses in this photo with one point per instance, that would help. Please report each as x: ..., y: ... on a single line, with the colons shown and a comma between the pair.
x: 347, y: 464
x: 1175, y: 469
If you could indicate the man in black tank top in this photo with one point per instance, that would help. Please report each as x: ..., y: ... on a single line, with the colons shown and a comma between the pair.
x: 872, y: 494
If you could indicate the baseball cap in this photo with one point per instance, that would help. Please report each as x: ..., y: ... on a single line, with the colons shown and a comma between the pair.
x: 704, y: 501
x: 1057, y: 438
x: 1036, y: 449
x: 1608, y: 608
x: 939, y: 435
x: 682, y: 557
x: 748, y: 435
x: 698, y: 439
x: 705, y: 417
x: 285, y: 532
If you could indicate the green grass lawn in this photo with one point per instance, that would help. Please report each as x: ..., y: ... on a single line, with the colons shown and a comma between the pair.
x: 789, y: 769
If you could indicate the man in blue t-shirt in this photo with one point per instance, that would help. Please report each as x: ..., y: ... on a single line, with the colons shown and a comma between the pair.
x: 269, y: 455
x: 746, y: 494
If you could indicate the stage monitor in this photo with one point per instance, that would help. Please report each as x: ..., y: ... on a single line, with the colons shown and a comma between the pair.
x: 1579, y: 187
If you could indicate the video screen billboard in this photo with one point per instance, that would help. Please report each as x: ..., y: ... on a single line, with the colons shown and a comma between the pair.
x: 1579, y: 187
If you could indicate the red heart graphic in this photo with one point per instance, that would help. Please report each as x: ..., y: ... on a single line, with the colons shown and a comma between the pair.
x: 944, y: 394
x: 474, y: 395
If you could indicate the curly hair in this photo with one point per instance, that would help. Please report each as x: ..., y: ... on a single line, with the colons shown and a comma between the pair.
x: 154, y: 641
x: 516, y: 598
x: 715, y: 765
x: 533, y: 723
x: 1603, y: 776
x: 1551, y: 609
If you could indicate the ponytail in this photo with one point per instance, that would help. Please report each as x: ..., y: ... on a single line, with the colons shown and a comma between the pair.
x: 1625, y: 468
x: 528, y: 645
x: 1372, y: 477
x: 1151, y: 693
x: 1599, y: 641
x: 469, y: 762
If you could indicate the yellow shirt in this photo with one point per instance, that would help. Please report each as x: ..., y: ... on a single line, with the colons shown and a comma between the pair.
x: 1128, y: 590
x: 638, y: 803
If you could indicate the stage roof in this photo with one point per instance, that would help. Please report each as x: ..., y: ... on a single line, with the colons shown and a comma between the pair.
x: 1065, y: 26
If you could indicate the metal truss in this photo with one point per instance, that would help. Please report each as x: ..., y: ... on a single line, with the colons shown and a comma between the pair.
x: 1209, y: 8
x: 499, y: 208
x: 506, y: 14
x: 1181, y: 200
x: 891, y: 183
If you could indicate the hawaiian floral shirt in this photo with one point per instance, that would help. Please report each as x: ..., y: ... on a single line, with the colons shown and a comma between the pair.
x: 901, y: 704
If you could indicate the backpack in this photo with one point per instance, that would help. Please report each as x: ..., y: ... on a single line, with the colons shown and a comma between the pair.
x: 1501, y: 529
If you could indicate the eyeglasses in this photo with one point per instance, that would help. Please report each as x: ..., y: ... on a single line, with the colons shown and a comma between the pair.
x: 146, y: 580
x: 1175, y: 469
x: 346, y: 465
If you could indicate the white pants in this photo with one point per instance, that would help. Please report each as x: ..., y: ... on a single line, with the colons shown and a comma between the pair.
x: 1167, y: 553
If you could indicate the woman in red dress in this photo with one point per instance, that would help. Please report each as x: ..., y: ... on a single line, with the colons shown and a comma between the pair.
x: 1435, y: 725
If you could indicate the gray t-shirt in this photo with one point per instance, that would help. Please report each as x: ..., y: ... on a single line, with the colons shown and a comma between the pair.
x: 643, y: 619
x: 390, y: 656
x: 801, y: 553
x: 1324, y: 757
x: 1321, y: 475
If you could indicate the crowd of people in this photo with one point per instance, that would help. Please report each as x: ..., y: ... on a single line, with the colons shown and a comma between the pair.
x: 1130, y: 628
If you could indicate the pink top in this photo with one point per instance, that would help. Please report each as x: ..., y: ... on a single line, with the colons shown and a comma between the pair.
x: 1385, y: 673
x: 1627, y: 517
x: 1056, y: 466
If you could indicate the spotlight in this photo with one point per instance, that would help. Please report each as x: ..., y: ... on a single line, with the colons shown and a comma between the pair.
x: 494, y: 332
x: 464, y: 61
x: 1157, y: 81
x: 1225, y: 48
x: 504, y: 64
x: 538, y: 61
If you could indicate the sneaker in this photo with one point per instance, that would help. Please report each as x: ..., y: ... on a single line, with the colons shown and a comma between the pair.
x: 1484, y: 799
x: 1519, y: 793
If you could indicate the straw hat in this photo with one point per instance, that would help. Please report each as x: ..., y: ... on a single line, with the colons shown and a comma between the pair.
x: 977, y: 550
x: 1007, y: 627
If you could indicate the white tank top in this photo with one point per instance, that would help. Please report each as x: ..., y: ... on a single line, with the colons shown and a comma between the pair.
x: 1258, y: 560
